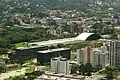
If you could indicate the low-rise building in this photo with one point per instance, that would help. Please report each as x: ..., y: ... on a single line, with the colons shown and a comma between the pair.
x: 46, y: 55
x: 27, y: 52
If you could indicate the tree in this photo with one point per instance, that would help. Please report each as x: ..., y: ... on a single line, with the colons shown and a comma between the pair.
x: 3, y: 50
x: 51, y: 22
x: 110, y: 72
x: 88, y: 68
x: 74, y: 68
x: 52, y: 47
x: 60, y: 45
x: 13, y: 47
x: 3, y: 69
x: 109, y: 75
x: 81, y: 45
x: 82, y: 69
x: 114, y: 36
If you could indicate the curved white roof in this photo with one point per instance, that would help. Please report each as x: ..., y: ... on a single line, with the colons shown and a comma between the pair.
x: 84, y: 36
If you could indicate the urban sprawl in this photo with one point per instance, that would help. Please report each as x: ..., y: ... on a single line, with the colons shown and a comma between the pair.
x: 59, y: 40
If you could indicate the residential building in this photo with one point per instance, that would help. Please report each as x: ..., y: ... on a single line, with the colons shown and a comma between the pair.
x: 82, y: 55
x: 85, y: 55
x: 114, y: 53
x: 101, y: 59
x: 95, y: 56
x: 60, y: 65
x: 63, y: 66
x: 54, y: 65
x: 75, y: 26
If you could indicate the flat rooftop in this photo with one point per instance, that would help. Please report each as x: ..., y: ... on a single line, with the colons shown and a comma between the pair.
x: 53, y: 50
x: 30, y: 47
x: 60, y: 58
x: 62, y: 75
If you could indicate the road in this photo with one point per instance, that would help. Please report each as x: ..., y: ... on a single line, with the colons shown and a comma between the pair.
x: 12, y: 73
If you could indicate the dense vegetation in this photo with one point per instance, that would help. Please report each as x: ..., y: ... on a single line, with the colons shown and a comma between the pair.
x: 29, y: 6
x: 82, y: 69
x: 11, y: 35
x: 111, y: 72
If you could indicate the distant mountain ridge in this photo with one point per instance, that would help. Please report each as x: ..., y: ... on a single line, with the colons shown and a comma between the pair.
x: 36, y: 5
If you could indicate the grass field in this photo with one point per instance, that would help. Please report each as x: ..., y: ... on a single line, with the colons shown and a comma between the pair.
x: 73, y: 56
x: 22, y: 44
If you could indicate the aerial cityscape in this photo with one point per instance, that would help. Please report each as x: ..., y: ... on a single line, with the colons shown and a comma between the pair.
x: 59, y: 39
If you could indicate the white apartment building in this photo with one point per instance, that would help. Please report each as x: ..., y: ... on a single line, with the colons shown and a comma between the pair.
x: 114, y: 53
x: 85, y: 55
x: 60, y: 65
x: 81, y: 56
x: 95, y: 56
x: 101, y: 58
x: 54, y: 65
x: 63, y: 66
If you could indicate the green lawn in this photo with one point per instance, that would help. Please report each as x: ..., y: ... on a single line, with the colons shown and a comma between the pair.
x: 22, y: 44
x: 102, y: 73
x: 46, y: 68
x: 73, y: 56
x: 31, y: 69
